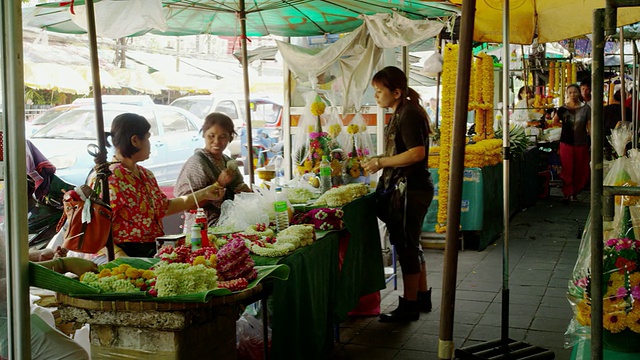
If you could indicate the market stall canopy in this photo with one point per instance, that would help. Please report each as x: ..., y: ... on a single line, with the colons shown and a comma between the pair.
x: 114, y: 19
x: 182, y: 82
x: 357, y: 53
x: 221, y: 17
x: 137, y: 80
x: 548, y: 20
x: 106, y: 80
x: 50, y: 76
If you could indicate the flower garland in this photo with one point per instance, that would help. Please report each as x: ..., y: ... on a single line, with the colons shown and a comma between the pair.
x: 484, y: 97
x: 449, y: 71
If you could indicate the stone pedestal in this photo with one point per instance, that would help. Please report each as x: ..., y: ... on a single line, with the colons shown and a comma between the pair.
x: 185, y: 334
x: 160, y: 331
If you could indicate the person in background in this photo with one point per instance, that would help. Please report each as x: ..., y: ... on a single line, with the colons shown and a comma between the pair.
x: 521, y: 114
x: 431, y: 111
x: 612, y: 115
x: 46, y: 341
x: 405, y: 155
x: 137, y: 202
x: 585, y: 91
x: 575, y: 117
x: 210, y: 166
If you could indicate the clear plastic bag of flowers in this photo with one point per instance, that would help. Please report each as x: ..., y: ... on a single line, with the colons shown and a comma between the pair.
x: 359, y: 147
x: 622, y: 171
x: 621, y: 280
x: 311, y: 141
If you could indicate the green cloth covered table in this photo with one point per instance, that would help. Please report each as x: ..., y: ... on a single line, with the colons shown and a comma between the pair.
x: 319, y: 292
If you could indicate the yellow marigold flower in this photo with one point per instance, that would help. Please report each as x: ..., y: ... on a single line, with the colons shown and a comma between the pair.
x: 634, y: 279
x: 335, y: 130
x: 633, y: 319
x: 584, y: 313
x: 318, y: 107
x: 615, y: 322
x: 148, y: 274
x: 352, y: 129
x: 132, y: 273
x: 104, y: 273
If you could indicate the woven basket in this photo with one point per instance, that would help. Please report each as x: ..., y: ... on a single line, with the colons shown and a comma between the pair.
x: 248, y: 295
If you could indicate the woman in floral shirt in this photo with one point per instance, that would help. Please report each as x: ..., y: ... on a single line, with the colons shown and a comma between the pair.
x: 137, y: 201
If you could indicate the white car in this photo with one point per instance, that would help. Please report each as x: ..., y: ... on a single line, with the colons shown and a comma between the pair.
x: 174, y: 137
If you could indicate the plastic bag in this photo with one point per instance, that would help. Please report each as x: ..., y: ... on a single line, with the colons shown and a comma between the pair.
x: 433, y: 65
x: 622, y: 171
x: 248, y: 209
x: 359, y: 147
x: 312, y: 141
x: 250, y: 338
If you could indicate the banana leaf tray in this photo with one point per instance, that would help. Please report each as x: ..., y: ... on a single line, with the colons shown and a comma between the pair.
x: 44, y: 278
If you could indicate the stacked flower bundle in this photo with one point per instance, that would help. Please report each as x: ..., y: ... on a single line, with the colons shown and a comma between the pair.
x: 287, y: 241
x: 357, y: 152
x: 318, y: 144
x: 483, y: 153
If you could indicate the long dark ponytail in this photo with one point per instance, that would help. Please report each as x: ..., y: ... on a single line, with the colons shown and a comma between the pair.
x: 393, y: 78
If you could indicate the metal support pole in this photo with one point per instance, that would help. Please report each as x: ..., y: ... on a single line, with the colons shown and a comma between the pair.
x: 634, y: 99
x: 622, y: 80
x: 15, y: 182
x: 245, y: 74
x: 506, y: 155
x: 445, y: 343
x: 438, y: 79
x: 97, y: 101
x: 597, y: 76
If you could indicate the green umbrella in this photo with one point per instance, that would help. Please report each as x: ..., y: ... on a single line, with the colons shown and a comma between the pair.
x: 264, y: 17
x: 252, y: 18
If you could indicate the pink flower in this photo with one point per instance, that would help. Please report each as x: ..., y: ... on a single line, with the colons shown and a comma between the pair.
x: 621, y: 293
x: 582, y: 282
x: 314, y: 135
x: 635, y: 293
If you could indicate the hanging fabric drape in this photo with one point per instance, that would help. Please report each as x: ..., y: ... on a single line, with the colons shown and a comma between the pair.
x: 358, y: 53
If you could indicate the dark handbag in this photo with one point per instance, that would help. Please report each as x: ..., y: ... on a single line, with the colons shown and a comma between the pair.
x: 390, y: 201
x: 87, y: 218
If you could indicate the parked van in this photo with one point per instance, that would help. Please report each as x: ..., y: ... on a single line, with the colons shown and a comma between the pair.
x: 265, y: 112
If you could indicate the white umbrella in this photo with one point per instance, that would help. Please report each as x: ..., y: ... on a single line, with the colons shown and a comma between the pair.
x: 137, y: 80
x: 181, y: 82
x: 52, y: 76
x: 106, y: 80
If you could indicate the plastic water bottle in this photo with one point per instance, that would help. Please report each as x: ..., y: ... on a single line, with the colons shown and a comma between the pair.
x: 196, y: 237
x: 325, y: 174
x: 282, y: 210
x: 278, y: 163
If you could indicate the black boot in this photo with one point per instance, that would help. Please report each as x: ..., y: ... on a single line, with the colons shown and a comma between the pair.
x: 406, y: 311
x: 424, y: 301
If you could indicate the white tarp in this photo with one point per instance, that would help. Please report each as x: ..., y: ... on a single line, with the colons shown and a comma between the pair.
x: 116, y: 19
x: 358, y: 53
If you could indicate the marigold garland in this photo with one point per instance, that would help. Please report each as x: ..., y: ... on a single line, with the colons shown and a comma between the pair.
x: 483, y: 97
x: 448, y: 97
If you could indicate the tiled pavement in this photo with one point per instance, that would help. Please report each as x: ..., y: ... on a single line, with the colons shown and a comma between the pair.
x: 543, y: 247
